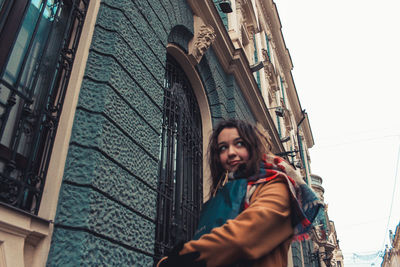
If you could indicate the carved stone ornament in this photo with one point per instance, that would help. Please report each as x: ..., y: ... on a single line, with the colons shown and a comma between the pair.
x: 270, y: 71
x: 287, y: 120
x: 202, y: 40
x: 240, y: 6
x: 270, y: 99
x: 265, y: 55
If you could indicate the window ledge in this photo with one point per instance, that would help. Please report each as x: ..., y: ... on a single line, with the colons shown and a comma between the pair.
x: 21, y: 237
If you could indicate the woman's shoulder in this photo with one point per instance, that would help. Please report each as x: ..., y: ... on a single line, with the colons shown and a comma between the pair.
x: 274, y: 190
x: 279, y: 164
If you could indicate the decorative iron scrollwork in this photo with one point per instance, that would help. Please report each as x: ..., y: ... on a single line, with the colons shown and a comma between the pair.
x: 180, y: 172
x: 32, y: 90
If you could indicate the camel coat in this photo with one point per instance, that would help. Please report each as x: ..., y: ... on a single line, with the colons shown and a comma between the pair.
x: 260, y: 235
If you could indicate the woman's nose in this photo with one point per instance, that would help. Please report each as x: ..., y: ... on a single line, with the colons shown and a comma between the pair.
x: 231, y: 151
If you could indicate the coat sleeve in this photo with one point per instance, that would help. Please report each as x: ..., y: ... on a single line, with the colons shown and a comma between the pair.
x: 255, y: 232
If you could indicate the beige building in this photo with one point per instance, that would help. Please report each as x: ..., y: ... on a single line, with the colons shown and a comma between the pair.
x: 392, y: 254
x: 326, y: 247
x: 254, y: 26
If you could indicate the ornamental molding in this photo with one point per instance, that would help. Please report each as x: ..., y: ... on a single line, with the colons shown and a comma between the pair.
x: 203, y: 38
x: 287, y: 120
x: 248, y: 15
x: 270, y: 18
x: 269, y: 71
x: 286, y: 116
x: 239, y: 6
x: 234, y: 61
x: 270, y: 99
x: 18, y: 230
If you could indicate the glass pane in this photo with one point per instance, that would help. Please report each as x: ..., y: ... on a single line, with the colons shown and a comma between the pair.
x: 32, y: 90
x: 23, y: 70
x: 21, y: 44
x: 35, y: 17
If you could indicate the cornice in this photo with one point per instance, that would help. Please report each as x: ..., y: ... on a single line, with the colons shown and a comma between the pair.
x: 293, y: 97
x: 269, y: 17
x: 234, y: 61
x: 250, y: 16
x: 308, y: 136
x: 396, y: 241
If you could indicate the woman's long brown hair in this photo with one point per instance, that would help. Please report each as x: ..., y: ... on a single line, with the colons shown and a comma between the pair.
x: 256, y: 142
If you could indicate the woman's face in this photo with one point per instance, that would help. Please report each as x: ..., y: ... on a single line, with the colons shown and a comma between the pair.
x: 232, y: 151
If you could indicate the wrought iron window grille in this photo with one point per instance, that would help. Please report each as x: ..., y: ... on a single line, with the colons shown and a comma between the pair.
x: 180, y: 171
x: 38, y: 42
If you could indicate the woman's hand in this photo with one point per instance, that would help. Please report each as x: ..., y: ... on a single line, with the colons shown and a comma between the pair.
x: 185, y: 260
x: 174, y: 259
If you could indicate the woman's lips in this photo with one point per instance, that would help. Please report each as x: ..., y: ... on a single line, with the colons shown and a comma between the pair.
x: 234, y: 163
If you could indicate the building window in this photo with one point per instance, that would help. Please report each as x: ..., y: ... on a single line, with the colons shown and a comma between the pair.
x: 38, y: 41
x: 296, y: 254
x: 268, y: 48
x: 180, y: 174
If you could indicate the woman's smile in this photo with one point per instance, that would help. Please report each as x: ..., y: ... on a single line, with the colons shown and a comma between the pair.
x: 232, y: 149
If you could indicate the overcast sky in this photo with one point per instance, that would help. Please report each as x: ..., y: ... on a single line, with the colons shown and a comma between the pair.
x: 346, y: 57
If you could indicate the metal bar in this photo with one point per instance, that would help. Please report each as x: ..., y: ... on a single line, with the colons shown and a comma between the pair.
x: 40, y: 130
x: 10, y: 26
x: 14, y: 90
x: 63, y: 75
x: 11, y: 99
x: 22, y: 67
x: 181, y: 163
x: 26, y: 110
x: 30, y: 182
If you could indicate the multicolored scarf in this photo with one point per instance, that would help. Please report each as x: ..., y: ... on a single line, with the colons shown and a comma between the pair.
x: 304, y: 202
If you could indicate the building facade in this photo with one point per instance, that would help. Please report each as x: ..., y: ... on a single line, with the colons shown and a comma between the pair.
x: 106, y: 111
x: 391, y: 257
x: 322, y: 249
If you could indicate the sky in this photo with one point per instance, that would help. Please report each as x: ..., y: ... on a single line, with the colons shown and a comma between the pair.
x: 346, y: 56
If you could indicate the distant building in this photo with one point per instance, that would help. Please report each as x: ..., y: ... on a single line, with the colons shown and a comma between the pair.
x: 106, y: 109
x: 392, y: 254
x: 325, y: 249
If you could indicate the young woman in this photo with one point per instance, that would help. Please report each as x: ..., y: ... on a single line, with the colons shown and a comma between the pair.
x: 260, y: 235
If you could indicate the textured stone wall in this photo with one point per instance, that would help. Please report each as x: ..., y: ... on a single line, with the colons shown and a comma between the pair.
x: 107, y: 206
x: 224, y: 95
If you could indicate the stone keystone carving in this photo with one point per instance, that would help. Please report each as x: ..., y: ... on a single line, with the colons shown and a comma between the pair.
x: 204, y: 37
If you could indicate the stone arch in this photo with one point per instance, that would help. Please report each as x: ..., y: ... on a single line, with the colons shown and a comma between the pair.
x: 180, y: 36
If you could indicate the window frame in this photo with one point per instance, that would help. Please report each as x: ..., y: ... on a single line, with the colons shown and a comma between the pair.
x: 13, y: 221
x: 32, y: 170
x: 181, y: 157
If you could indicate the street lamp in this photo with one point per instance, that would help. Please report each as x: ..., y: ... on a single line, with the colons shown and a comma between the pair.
x: 225, y: 6
x: 280, y: 111
x: 257, y: 66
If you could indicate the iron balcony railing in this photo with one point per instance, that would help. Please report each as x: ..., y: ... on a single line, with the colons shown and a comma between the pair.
x: 38, y: 43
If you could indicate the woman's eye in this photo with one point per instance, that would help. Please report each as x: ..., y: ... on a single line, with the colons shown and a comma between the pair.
x: 221, y: 149
x: 240, y: 143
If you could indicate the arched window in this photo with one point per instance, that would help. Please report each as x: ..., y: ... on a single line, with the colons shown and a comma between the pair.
x: 180, y: 177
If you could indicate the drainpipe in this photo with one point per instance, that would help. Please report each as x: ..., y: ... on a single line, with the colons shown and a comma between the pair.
x: 301, y: 143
